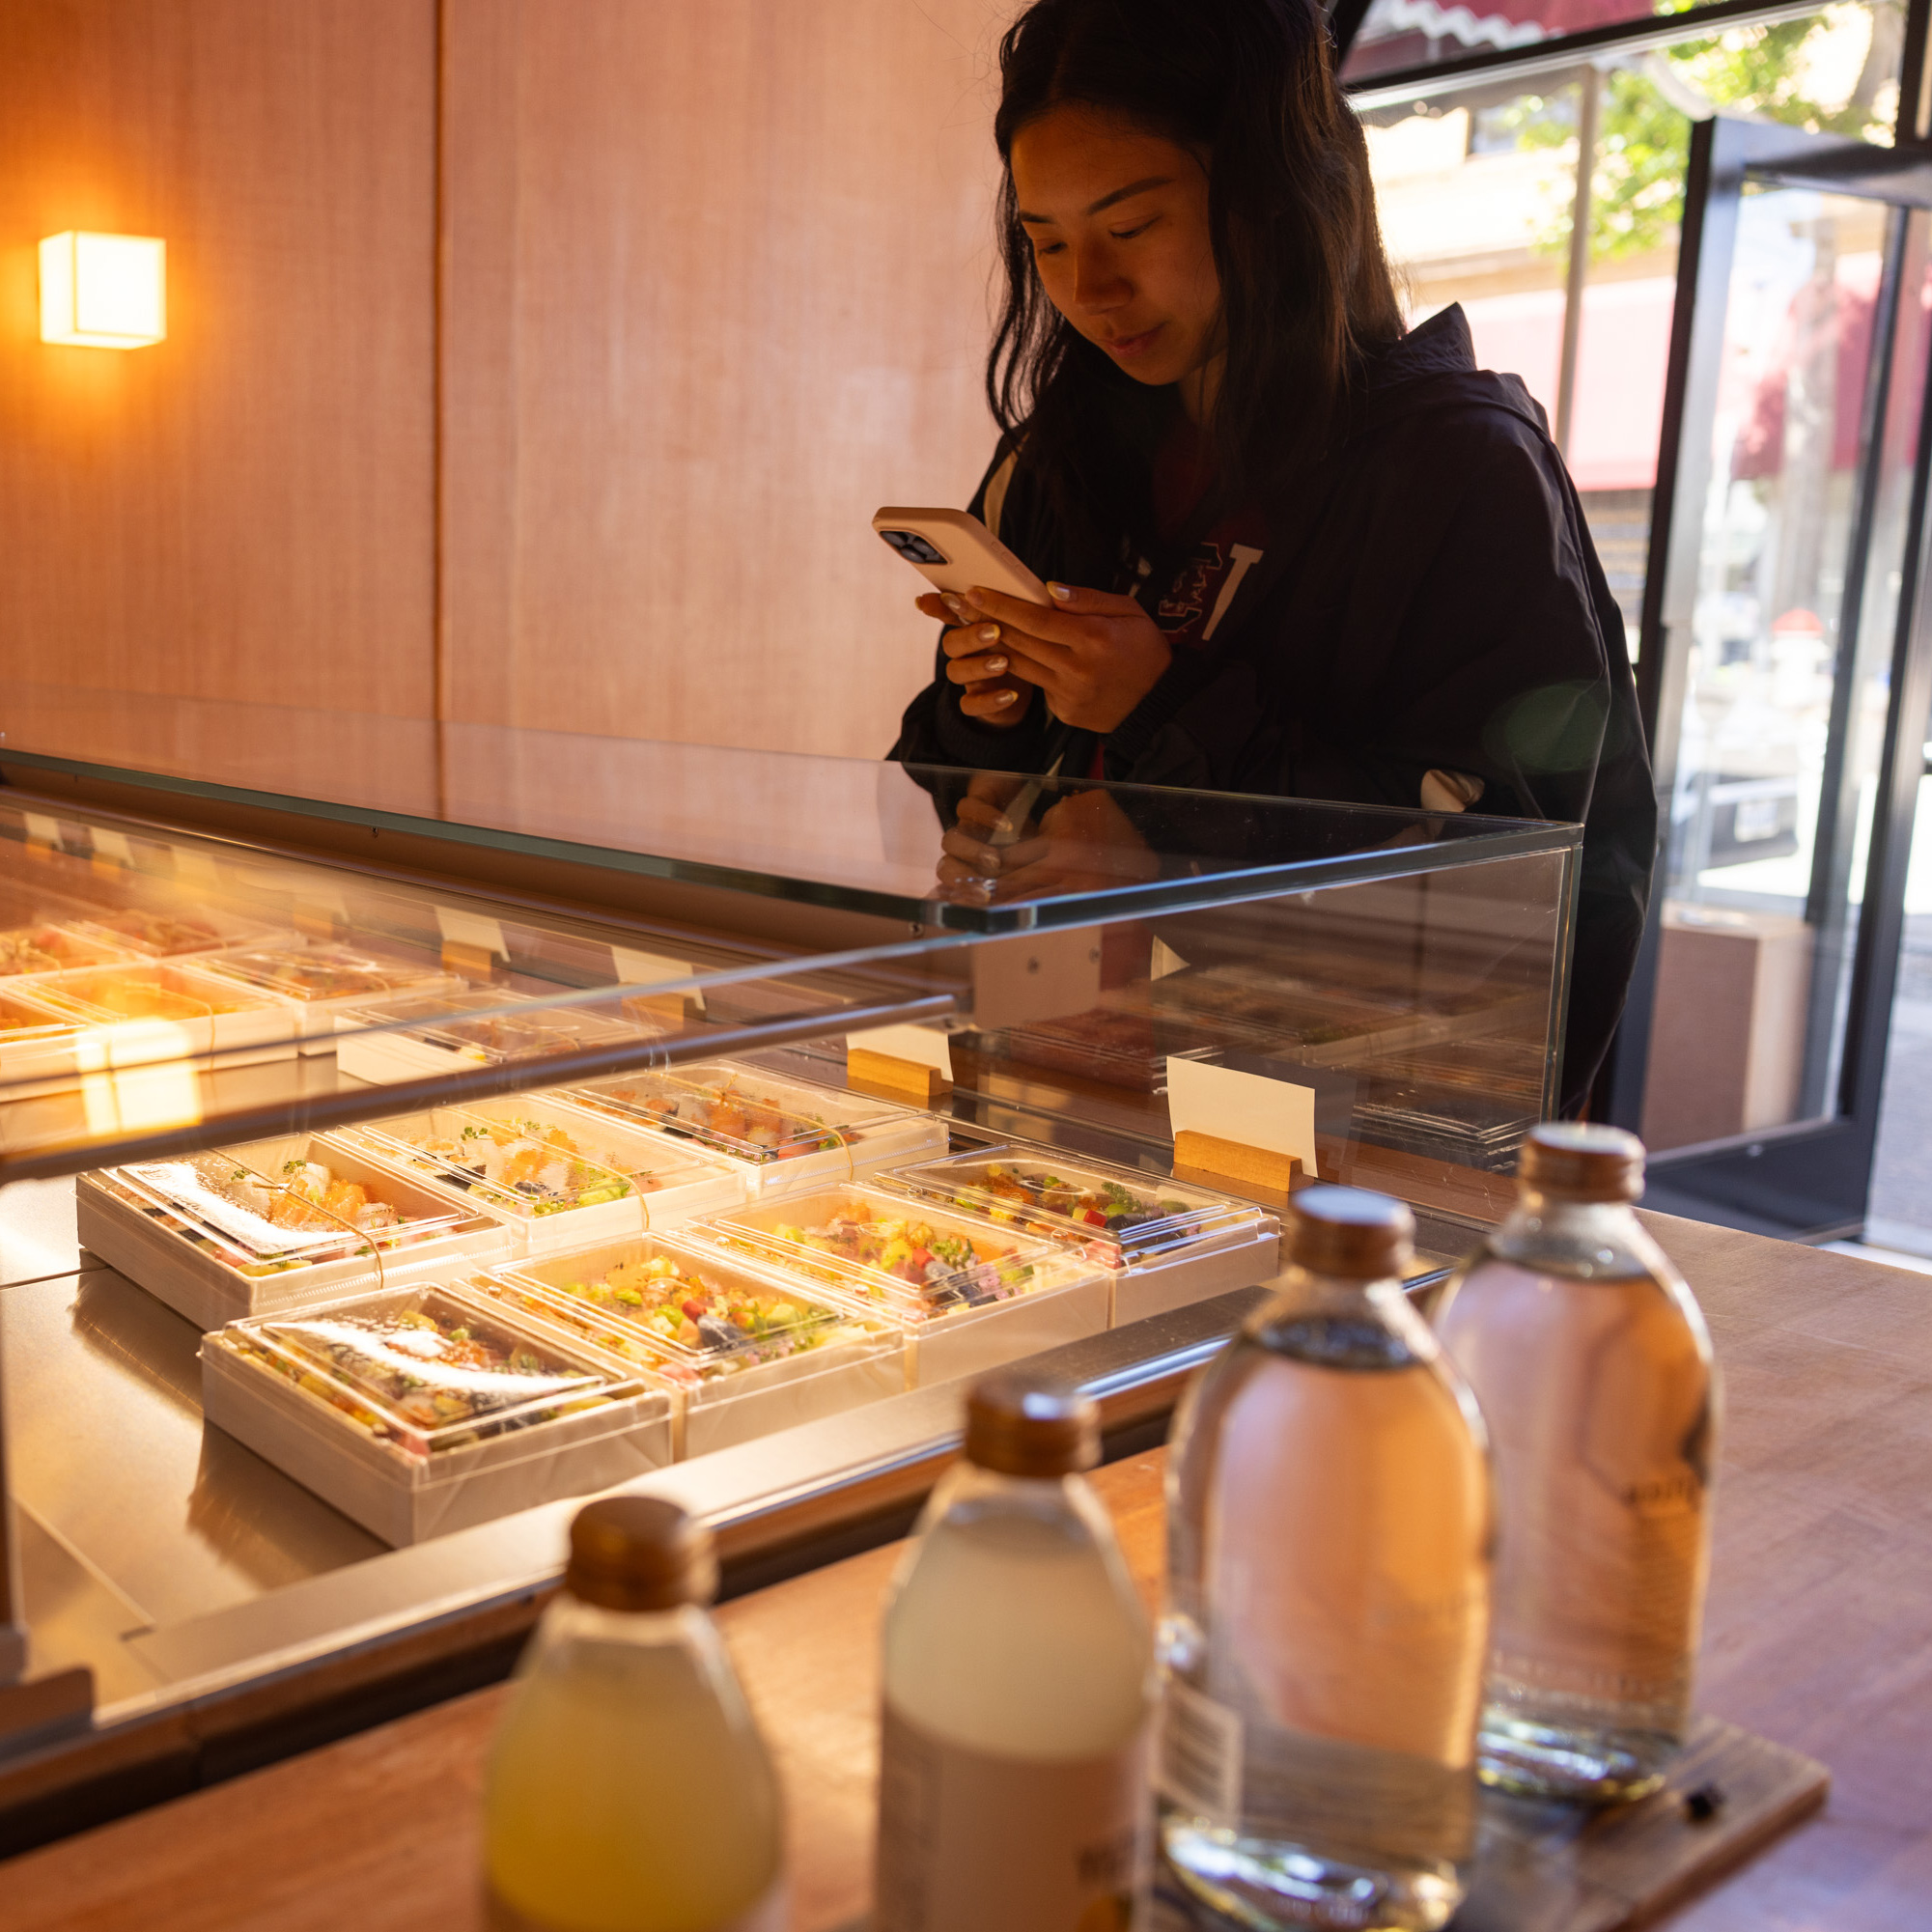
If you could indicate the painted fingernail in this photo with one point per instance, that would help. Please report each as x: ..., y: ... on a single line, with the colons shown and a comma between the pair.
x: 989, y: 634
x: 1005, y: 697
x: 1059, y: 590
x: 951, y: 603
x: 995, y: 665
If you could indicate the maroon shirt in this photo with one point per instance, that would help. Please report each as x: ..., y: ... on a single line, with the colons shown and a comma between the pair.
x: 1190, y: 608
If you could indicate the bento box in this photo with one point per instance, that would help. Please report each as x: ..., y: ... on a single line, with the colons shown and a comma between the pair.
x: 275, y: 1224
x: 40, y: 1051
x: 1161, y: 1243
x: 180, y: 934
x: 323, y: 981
x: 46, y: 947
x: 57, y: 1029
x: 969, y: 1297
x: 783, y: 1135
x: 744, y: 1351
x: 554, y: 1176
x: 239, y: 1023
x: 415, y: 1035
x: 424, y: 1411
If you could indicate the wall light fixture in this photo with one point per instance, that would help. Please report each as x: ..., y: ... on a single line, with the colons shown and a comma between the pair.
x: 103, y: 290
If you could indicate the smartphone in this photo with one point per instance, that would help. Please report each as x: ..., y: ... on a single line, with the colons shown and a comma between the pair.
x: 953, y: 550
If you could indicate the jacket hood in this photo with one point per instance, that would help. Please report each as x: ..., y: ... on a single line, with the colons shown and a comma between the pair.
x: 1434, y: 366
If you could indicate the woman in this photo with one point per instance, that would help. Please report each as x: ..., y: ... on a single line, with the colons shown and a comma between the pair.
x: 1292, y: 548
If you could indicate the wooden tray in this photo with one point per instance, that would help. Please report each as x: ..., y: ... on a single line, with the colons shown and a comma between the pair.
x: 1549, y: 1868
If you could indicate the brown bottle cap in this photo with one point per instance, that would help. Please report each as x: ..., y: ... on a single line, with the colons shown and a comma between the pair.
x: 639, y: 1553
x: 1026, y: 1425
x: 1582, y: 1161
x: 1352, y: 1233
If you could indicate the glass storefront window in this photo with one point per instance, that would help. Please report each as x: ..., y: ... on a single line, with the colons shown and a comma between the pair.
x: 1788, y: 680
x: 1477, y: 189
x: 1477, y: 194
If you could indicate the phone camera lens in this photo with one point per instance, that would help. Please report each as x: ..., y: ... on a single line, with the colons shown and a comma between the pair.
x: 912, y: 546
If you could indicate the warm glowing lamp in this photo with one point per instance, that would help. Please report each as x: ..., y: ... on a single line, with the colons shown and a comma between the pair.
x: 103, y: 290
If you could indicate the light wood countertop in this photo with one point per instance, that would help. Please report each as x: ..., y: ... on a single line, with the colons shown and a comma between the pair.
x: 1819, y: 1636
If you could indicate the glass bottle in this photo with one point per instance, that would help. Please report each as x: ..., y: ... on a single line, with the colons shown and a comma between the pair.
x: 1017, y: 1688
x: 629, y: 1790
x: 1329, y: 1552
x: 1593, y: 1367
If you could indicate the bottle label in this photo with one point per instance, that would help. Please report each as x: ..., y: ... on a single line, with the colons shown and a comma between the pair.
x: 971, y: 1839
x: 1198, y: 1764
x: 772, y: 1914
x: 1248, y: 1775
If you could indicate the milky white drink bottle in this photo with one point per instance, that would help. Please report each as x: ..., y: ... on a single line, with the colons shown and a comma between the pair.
x: 1593, y: 1368
x: 1018, y: 1690
x: 1329, y: 1551
x: 628, y: 1790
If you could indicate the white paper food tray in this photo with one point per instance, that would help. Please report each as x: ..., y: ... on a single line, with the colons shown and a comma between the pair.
x: 1069, y: 1299
x: 198, y: 1283
x: 871, y: 1131
x: 1210, y: 1246
x: 405, y: 1498
x: 317, y: 1032
x: 149, y: 932
x: 266, y: 1027
x: 716, y: 1406
x: 446, y: 1033
x: 694, y: 1183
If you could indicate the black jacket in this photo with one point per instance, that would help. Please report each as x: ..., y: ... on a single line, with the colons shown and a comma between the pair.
x: 1428, y: 599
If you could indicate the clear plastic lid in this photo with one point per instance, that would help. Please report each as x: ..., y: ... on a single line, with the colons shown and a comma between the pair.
x: 740, y: 1110
x: 184, y: 930
x: 323, y: 972
x: 889, y: 1252
x: 426, y: 1369
x: 524, y: 1159
x: 54, y: 948
x: 443, y: 1020
x: 1114, y: 1215
x: 691, y: 1313
x: 101, y: 996
x: 263, y: 1223
x: 23, y: 1021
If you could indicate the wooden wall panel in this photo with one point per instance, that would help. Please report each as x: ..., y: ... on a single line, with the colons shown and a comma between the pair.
x: 716, y: 288
x: 246, y: 511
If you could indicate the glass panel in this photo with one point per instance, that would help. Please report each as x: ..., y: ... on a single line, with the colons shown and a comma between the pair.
x: 844, y: 832
x: 402, y: 1208
x: 1788, y: 674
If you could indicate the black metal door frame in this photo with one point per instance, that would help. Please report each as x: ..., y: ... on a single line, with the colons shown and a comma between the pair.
x: 1812, y: 1179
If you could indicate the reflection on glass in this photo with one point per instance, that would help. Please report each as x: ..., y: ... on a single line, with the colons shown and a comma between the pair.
x: 1788, y: 675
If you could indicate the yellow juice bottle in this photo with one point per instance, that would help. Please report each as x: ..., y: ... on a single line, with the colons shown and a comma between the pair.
x: 629, y: 1790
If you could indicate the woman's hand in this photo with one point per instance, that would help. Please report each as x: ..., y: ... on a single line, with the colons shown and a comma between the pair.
x: 991, y: 694
x: 1094, y: 653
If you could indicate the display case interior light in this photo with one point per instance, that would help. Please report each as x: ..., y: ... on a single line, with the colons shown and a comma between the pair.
x: 103, y: 290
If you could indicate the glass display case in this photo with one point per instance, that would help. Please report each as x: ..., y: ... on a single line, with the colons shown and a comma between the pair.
x: 373, y: 1188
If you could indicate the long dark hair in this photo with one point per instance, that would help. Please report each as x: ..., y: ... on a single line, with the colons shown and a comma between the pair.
x: 1306, y: 289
